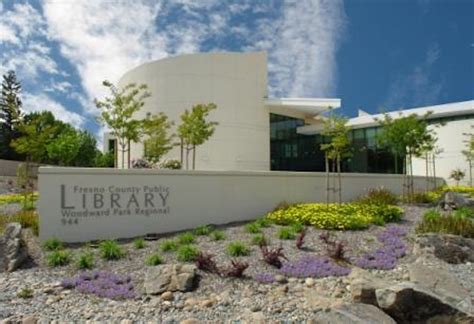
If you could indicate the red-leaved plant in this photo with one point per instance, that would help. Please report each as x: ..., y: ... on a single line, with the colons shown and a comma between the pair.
x: 300, y: 239
x: 204, y: 261
x: 236, y: 269
x: 335, y: 249
x: 272, y: 256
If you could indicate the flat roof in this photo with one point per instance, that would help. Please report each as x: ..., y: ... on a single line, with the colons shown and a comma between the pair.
x: 307, y: 109
x: 365, y: 119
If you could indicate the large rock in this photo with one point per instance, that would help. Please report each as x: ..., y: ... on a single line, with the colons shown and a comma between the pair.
x: 353, y: 313
x: 408, y: 302
x: 13, y: 251
x: 454, y: 200
x: 450, y: 248
x: 363, y: 286
x: 170, y: 277
x: 437, y: 279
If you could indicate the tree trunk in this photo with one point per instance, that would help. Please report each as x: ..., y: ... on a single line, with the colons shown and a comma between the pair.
x: 187, y: 156
x: 427, y: 178
x: 128, y: 153
x: 339, y: 178
x: 194, y: 157
x: 333, y: 175
x: 470, y: 172
x: 326, y: 160
x: 404, y: 179
x: 123, y: 156
x: 434, y: 172
x: 181, y: 152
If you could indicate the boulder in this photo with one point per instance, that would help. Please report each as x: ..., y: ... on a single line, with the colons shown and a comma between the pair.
x: 363, y: 286
x: 437, y: 279
x: 353, y: 313
x: 408, y: 302
x: 170, y: 277
x: 454, y: 200
x: 13, y: 252
x: 449, y: 248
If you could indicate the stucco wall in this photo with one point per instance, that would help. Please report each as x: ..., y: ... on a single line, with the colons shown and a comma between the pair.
x: 182, y: 199
x: 235, y: 82
x: 451, y: 141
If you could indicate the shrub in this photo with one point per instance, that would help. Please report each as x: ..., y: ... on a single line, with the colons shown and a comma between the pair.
x: 205, y: 261
x: 139, y: 243
x: 27, y: 219
x: 236, y: 269
x: 273, y: 256
x: 171, y: 164
x: 154, y: 259
x: 25, y: 293
x: 187, y: 253
x: 336, y: 216
x: 334, y: 249
x: 53, y: 244
x: 16, y: 198
x: 218, y: 235
x: 300, y: 240
x: 253, y: 228
x: 110, y: 250
x: 85, y: 260
x: 102, y: 284
x: 203, y: 230
x: 141, y: 164
x: 237, y: 248
x: 58, y: 258
x: 286, y: 233
x: 169, y: 245
x: 186, y: 238
x: 28, y: 205
x: 378, y: 196
x: 447, y: 224
x: 431, y: 214
x: 260, y: 240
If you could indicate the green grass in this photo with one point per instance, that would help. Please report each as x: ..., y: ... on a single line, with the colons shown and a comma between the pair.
x: 297, y: 227
x: 286, y: 233
x: 263, y: 222
x: 464, y: 212
x: 85, y: 260
x: 110, y: 250
x: 59, y: 258
x: 203, y: 230
x: 53, y: 244
x: 260, y: 240
x: 27, y: 219
x: 237, y: 248
x: 154, y: 260
x: 168, y: 245
x: 139, y: 243
x: 186, y: 238
x: 253, y: 228
x: 25, y: 293
x: 447, y: 224
x: 187, y: 253
x: 217, y: 235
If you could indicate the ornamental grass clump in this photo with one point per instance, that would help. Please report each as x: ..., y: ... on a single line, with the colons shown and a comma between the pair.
x: 217, y: 235
x: 260, y: 240
x: 186, y: 238
x: 187, y: 253
x: 154, y: 260
x: 263, y: 222
x: 53, y: 244
x: 286, y: 233
x: 237, y: 249
x: 85, y: 260
x: 378, y: 196
x: 253, y: 228
x: 203, y: 230
x: 448, y: 225
x: 385, y: 258
x: 110, y: 250
x: 59, y: 258
x: 464, y: 212
x: 169, y: 245
x: 27, y: 219
x: 313, y: 266
x: 431, y: 214
x: 102, y: 284
x: 139, y: 244
x: 273, y: 256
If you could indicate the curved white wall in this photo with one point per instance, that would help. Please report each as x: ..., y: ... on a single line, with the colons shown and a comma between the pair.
x: 235, y: 82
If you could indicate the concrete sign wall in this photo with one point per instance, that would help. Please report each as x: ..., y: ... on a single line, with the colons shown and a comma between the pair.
x: 78, y: 205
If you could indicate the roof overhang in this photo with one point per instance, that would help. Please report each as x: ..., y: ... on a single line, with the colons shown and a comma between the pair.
x: 308, y: 109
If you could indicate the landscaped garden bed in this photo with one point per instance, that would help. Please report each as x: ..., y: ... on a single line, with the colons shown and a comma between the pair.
x: 290, y: 265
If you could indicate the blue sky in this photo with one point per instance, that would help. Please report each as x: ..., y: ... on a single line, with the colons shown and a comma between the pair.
x: 373, y: 54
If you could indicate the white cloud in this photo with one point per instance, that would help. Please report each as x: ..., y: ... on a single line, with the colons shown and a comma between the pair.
x: 419, y: 86
x: 39, y: 102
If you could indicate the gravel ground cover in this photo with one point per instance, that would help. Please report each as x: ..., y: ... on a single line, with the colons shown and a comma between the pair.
x: 216, y: 298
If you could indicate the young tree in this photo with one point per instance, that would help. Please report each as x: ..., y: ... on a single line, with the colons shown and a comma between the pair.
x: 195, y: 130
x: 117, y: 112
x: 336, y: 129
x: 64, y: 149
x: 457, y: 175
x: 469, y: 153
x: 157, y: 140
x: 10, y: 115
x: 405, y: 137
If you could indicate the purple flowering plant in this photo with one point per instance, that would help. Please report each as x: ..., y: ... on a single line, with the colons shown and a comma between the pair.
x: 103, y: 284
x: 264, y: 278
x: 313, y: 266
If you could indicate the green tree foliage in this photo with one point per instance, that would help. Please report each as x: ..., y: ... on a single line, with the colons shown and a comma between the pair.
x: 10, y: 115
x: 406, y: 137
x: 195, y: 130
x: 336, y: 129
x: 104, y: 160
x: 73, y: 148
x: 118, y: 110
x: 457, y: 175
x: 157, y: 140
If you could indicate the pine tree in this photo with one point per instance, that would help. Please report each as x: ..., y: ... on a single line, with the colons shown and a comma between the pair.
x: 10, y: 115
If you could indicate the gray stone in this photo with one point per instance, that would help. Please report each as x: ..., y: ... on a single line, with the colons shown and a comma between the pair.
x: 170, y: 277
x: 408, y: 302
x: 450, y: 248
x: 454, y: 200
x: 353, y: 313
x: 13, y: 252
x: 363, y: 286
